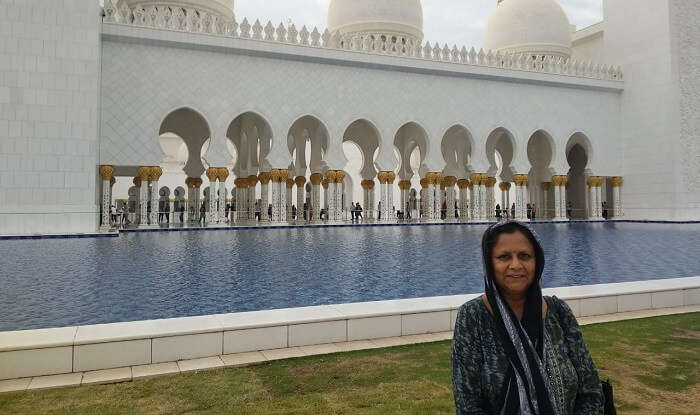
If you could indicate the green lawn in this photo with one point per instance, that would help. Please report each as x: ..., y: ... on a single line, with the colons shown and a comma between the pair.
x: 654, y: 365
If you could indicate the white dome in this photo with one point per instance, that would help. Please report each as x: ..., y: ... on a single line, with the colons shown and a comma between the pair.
x: 401, y: 17
x: 223, y: 8
x: 539, y: 27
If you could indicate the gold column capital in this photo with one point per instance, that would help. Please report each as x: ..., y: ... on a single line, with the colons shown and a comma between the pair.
x: 424, y: 183
x: 330, y: 176
x: 155, y: 172
x: 478, y: 178
x: 546, y: 186
x: 144, y: 173
x: 504, y: 186
x: 521, y: 179
x: 616, y: 181
x: 290, y: 183
x: 264, y: 177
x: 107, y: 172
x: 404, y: 184
x: 324, y: 183
x: 223, y: 174
x: 300, y: 181
x: 316, y: 179
x: 339, y: 176
x: 463, y: 183
x: 241, y: 183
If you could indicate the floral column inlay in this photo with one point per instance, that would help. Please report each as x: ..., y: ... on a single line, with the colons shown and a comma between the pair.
x: 107, y: 174
x: 315, y: 208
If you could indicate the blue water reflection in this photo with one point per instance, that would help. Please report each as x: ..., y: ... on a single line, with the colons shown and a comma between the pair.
x: 60, y: 282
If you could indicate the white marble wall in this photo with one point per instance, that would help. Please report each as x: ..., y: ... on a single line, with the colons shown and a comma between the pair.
x: 49, y: 103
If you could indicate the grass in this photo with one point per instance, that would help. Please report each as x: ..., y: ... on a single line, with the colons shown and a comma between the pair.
x: 654, y: 365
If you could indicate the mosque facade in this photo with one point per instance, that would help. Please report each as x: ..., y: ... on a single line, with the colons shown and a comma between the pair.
x: 180, y: 105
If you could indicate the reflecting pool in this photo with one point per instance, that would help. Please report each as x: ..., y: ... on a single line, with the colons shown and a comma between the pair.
x: 139, y: 276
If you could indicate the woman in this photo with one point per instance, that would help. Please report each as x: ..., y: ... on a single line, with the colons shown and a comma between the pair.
x: 512, y: 352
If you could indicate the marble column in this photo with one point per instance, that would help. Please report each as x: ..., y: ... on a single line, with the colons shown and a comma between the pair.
x: 251, y: 196
x: 144, y: 175
x: 197, y: 196
x: 212, y: 212
x: 490, y: 197
x: 107, y: 174
x: 315, y: 208
x: 439, y: 196
x: 616, y: 183
x: 560, y: 182
x: 223, y: 175
x: 330, y: 194
x: 326, y: 191
x: 404, y: 189
x: 156, y: 172
x: 505, y: 197
x: 521, y: 181
x: 264, y: 179
x: 290, y: 199
x: 339, y: 206
x: 463, y: 185
x: 366, y: 201
x: 275, y: 177
x: 371, y: 209
x: 300, y: 182
x: 594, y: 206
x: 543, y: 211
x: 424, y: 213
x: 279, y: 194
x: 450, y: 182
x: 189, y: 208
x: 477, y: 180
x: 241, y: 199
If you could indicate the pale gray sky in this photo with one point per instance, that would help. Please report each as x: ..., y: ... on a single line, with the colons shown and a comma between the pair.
x: 458, y: 22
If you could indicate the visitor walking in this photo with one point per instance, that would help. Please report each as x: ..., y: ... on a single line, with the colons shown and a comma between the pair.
x: 534, y: 211
x: 529, y: 211
x: 512, y: 211
x: 379, y: 210
x: 604, y: 208
x: 358, y: 212
x: 182, y: 213
x: 203, y: 213
x: 498, y: 211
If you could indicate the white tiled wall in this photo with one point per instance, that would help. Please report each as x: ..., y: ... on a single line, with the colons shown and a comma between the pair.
x: 49, y: 105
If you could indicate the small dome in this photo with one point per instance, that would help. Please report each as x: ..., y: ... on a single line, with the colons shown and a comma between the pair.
x: 539, y: 27
x: 396, y: 17
x: 223, y: 8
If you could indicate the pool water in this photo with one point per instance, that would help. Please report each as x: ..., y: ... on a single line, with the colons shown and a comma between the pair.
x: 141, y: 276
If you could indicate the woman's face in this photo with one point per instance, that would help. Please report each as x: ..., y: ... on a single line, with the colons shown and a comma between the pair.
x: 513, y: 259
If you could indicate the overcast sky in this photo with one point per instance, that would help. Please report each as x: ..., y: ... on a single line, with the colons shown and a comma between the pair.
x: 458, y: 22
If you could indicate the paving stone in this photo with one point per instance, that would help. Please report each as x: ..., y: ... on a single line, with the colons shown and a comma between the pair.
x: 100, y: 377
x: 242, y: 359
x: 14, y: 385
x: 154, y: 370
x: 196, y: 365
x: 55, y: 381
x: 288, y: 353
x: 319, y: 349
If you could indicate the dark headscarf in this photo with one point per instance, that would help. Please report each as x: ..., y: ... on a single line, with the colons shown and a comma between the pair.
x: 526, y: 390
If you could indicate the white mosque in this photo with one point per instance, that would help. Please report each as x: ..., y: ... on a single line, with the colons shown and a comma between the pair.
x: 182, y: 107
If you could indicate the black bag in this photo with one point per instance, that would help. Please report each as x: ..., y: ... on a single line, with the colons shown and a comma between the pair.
x: 609, y: 402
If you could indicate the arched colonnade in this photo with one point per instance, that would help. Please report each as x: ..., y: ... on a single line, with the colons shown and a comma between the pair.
x: 475, y: 183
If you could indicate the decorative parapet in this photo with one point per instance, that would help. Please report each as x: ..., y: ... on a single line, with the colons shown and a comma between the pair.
x: 196, y: 21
